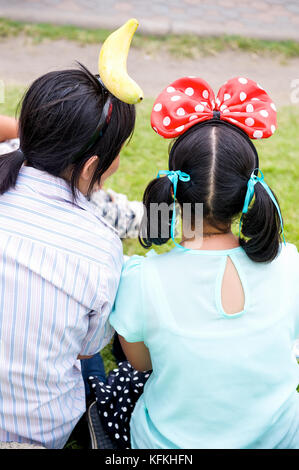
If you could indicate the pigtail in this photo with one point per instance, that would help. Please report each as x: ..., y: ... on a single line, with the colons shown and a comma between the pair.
x: 10, y: 165
x: 156, y: 223
x: 261, y: 226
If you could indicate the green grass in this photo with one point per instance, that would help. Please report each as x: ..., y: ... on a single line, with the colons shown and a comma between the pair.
x: 184, y: 45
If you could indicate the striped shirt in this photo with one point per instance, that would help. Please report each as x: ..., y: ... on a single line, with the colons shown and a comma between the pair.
x: 60, y: 266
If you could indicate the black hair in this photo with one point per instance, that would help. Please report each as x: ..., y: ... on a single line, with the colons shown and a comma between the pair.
x: 220, y: 158
x: 59, y: 115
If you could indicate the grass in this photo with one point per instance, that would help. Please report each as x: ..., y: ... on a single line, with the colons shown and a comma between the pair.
x: 147, y: 153
x: 185, y: 45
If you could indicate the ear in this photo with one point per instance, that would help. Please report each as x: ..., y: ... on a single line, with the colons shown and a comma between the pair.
x: 89, y: 168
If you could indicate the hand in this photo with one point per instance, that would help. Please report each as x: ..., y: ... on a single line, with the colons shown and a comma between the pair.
x: 8, y: 128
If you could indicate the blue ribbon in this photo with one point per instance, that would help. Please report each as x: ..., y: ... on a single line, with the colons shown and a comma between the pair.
x: 174, y: 176
x: 250, y: 193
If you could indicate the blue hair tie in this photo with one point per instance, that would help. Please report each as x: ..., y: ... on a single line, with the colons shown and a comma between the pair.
x: 250, y: 193
x: 174, y: 176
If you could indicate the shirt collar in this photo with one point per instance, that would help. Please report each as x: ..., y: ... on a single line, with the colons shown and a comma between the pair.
x: 52, y: 187
x: 56, y: 188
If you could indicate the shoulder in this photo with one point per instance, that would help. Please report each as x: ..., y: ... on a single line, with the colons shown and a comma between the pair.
x: 289, y: 254
x: 107, y: 240
x: 287, y: 262
x: 134, y: 263
x: 290, y: 248
x: 102, y: 226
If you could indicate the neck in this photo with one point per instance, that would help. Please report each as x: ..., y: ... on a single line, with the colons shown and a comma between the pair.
x: 211, y: 239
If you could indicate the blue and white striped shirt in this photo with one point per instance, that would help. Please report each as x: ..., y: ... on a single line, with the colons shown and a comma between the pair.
x: 60, y: 266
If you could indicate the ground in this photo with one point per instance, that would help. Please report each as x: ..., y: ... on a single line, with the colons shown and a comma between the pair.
x: 22, y: 60
x: 252, y: 18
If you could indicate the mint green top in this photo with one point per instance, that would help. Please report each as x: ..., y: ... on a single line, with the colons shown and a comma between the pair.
x: 219, y: 380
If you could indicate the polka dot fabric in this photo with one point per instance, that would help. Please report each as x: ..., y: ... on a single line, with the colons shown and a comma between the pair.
x: 116, y: 400
x: 190, y: 100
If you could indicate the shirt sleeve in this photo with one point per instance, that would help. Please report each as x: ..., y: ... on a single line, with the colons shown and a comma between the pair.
x: 99, y: 332
x: 104, y: 290
x: 127, y: 314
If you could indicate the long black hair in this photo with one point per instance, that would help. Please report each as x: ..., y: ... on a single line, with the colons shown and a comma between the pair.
x: 59, y: 114
x: 219, y: 158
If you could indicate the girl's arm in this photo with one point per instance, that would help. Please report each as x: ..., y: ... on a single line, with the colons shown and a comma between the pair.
x: 8, y: 128
x: 137, y: 354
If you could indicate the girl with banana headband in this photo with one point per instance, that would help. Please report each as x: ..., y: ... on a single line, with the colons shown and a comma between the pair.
x: 216, y: 318
x: 60, y: 263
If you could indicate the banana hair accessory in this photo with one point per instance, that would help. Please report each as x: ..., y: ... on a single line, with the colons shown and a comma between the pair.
x: 190, y: 100
x: 112, y: 64
x: 113, y: 78
x: 102, y: 124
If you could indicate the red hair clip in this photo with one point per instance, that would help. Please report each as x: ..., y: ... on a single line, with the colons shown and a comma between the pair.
x: 190, y: 100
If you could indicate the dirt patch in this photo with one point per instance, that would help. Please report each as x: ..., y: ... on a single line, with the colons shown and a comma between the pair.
x: 22, y: 61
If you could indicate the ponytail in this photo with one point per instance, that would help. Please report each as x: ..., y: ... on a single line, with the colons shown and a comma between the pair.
x: 10, y: 165
x: 261, y: 226
x: 157, y: 192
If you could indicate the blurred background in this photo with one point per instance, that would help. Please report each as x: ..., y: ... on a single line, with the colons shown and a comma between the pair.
x: 215, y: 39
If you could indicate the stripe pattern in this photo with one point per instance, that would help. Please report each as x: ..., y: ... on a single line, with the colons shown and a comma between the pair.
x: 60, y: 266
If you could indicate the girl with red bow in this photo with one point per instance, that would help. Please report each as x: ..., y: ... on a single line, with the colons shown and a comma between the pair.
x: 216, y: 318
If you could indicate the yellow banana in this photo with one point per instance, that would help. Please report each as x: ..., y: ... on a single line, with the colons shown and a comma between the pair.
x: 113, y: 64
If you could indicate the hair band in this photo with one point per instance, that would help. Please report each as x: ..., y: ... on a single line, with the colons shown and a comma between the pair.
x: 102, y: 124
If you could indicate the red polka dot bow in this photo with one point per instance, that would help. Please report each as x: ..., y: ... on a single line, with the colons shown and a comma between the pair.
x: 190, y: 100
